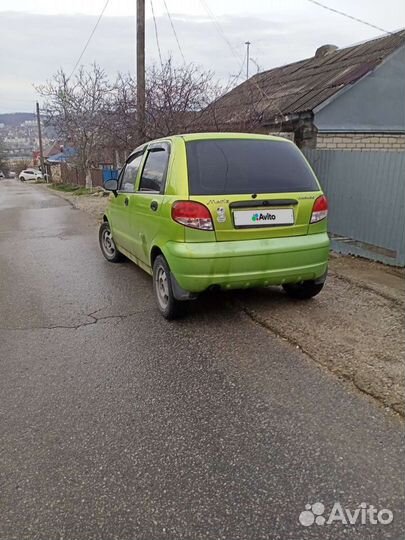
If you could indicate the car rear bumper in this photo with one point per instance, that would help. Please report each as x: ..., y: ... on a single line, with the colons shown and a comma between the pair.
x: 248, y: 263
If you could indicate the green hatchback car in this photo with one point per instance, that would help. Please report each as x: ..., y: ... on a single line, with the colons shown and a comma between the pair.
x: 218, y: 210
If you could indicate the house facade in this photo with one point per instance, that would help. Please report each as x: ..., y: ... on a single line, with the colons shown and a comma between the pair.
x: 368, y: 114
x: 347, y: 99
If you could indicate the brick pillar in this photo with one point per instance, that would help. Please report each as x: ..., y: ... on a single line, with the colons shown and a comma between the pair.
x: 305, y: 135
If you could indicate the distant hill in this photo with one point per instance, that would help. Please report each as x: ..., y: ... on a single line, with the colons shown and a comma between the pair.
x: 15, y: 119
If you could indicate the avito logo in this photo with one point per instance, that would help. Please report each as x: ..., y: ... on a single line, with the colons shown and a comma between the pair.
x: 363, y: 514
x: 263, y: 217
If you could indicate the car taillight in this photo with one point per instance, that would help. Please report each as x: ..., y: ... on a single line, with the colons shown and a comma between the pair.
x: 192, y: 214
x: 320, y: 209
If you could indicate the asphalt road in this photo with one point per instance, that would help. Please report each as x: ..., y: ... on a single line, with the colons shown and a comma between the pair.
x: 116, y: 424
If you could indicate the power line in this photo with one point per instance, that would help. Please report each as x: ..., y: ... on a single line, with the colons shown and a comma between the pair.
x: 256, y: 64
x: 333, y: 11
x: 235, y: 78
x: 232, y: 49
x: 219, y: 28
x: 156, y: 33
x: 350, y: 17
x: 174, y: 31
x: 91, y: 35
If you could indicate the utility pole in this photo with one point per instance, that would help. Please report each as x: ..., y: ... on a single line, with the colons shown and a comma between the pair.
x: 41, y: 151
x: 140, y: 70
x: 247, y: 43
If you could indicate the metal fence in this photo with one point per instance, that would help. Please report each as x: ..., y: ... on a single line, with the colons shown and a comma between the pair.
x: 366, y: 192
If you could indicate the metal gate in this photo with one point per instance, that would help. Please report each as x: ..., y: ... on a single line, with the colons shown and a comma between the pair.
x: 366, y: 192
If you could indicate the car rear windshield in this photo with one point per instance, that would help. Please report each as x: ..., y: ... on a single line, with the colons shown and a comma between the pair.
x: 237, y: 166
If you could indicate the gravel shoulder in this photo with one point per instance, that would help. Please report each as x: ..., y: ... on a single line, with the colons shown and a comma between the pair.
x: 355, y: 327
x: 93, y: 204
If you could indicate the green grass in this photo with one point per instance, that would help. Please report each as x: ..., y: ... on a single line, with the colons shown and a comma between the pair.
x: 71, y: 188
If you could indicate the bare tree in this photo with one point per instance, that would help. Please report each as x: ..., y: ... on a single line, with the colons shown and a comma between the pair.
x: 20, y: 165
x: 96, y: 116
x: 176, y: 98
x: 4, y: 165
x: 76, y: 107
x: 119, y: 117
x: 99, y: 117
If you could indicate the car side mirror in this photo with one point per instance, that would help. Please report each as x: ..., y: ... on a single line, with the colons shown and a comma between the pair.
x: 111, y: 185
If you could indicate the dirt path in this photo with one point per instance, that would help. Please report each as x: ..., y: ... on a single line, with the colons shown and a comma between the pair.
x: 94, y: 204
x: 354, y: 331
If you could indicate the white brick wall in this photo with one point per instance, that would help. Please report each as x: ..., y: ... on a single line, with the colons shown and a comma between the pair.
x: 360, y: 141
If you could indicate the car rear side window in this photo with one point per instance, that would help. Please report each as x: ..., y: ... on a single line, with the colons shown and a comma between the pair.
x: 154, y: 170
x: 239, y: 166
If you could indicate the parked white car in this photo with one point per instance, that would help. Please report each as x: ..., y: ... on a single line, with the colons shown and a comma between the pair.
x: 30, y: 174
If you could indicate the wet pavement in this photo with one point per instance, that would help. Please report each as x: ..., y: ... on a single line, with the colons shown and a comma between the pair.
x: 115, y: 423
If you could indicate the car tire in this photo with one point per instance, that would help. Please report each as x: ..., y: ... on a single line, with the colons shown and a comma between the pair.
x: 167, y: 304
x: 107, y: 244
x: 22, y: 178
x: 303, y: 291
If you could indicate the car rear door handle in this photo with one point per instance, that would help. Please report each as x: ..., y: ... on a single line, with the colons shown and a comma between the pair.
x: 154, y: 205
x: 126, y: 201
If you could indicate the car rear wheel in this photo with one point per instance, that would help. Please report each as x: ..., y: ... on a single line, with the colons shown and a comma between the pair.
x: 303, y: 291
x: 168, y: 306
x: 107, y: 244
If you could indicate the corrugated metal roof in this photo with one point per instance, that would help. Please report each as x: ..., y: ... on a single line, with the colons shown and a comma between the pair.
x: 66, y: 155
x: 304, y: 85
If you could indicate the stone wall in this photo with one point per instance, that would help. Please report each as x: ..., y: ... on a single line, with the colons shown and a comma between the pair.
x: 286, y: 134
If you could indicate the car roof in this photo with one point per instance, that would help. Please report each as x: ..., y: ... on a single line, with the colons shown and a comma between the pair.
x: 225, y: 135
x: 211, y: 136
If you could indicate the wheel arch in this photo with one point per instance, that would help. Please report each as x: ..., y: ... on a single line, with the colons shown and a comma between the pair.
x: 155, y: 252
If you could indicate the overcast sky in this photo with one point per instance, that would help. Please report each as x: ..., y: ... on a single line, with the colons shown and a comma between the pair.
x: 39, y: 36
